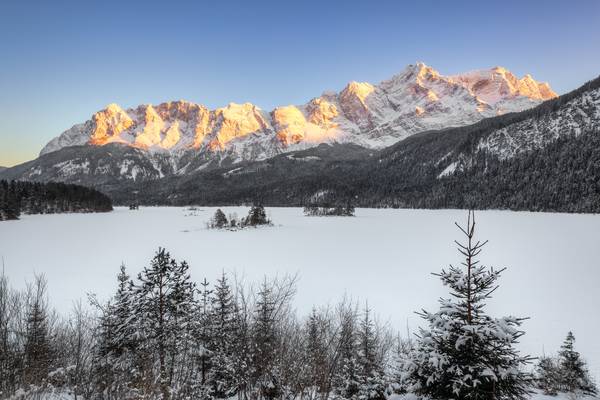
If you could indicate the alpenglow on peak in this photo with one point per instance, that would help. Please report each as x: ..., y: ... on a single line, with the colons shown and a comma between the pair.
x: 372, y: 115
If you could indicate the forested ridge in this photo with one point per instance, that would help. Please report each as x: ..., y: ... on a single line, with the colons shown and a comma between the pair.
x: 163, y: 335
x: 18, y: 197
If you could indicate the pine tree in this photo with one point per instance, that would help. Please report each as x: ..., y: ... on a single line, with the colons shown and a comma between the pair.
x: 38, y: 356
x: 346, y: 381
x: 316, y: 350
x: 219, y: 220
x: 164, y: 300
x: 223, y: 333
x: 372, y: 381
x: 573, y: 371
x: 204, y: 332
x: 548, y: 375
x: 256, y: 216
x: 124, y: 331
x: 120, y: 365
x: 402, y: 353
x: 265, y: 344
x: 466, y: 354
x: 182, y: 306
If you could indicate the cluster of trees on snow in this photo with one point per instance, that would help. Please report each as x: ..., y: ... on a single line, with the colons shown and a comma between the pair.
x: 256, y: 216
x: 327, y: 210
x: 20, y: 197
x: 566, y: 372
x: 162, y: 336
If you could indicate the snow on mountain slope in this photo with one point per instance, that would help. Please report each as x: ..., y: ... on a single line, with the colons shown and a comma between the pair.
x: 573, y: 118
x: 374, y: 116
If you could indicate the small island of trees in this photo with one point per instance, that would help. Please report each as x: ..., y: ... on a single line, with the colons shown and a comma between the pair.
x: 257, y: 216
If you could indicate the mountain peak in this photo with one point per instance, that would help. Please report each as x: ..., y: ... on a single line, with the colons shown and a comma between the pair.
x: 418, y: 98
x: 358, y: 89
x: 499, y: 84
x: 500, y: 69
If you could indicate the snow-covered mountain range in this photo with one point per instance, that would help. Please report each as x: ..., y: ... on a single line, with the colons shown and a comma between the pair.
x: 374, y: 116
x: 543, y: 158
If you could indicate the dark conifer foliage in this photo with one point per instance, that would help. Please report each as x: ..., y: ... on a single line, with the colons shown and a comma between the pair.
x: 329, y: 211
x: 18, y: 197
x: 219, y: 220
x: 37, y: 351
x: 256, y: 216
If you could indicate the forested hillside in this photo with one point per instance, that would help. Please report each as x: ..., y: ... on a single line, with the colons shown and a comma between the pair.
x: 18, y: 198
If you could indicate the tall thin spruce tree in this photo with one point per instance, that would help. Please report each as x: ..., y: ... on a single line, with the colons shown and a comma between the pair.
x: 37, y: 350
x: 265, y: 343
x: 465, y: 353
x: 372, y: 380
x: 222, y: 377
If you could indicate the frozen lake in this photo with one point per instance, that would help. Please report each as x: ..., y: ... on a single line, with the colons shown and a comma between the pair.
x: 385, y: 256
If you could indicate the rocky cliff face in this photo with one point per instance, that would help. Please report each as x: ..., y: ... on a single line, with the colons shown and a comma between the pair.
x: 374, y: 116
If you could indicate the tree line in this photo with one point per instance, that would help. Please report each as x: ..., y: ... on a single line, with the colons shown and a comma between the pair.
x: 163, y: 336
x: 21, y: 197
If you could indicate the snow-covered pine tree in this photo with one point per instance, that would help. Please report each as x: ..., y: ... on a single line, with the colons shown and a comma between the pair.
x: 123, y: 330
x: 164, y: 298
x: 181, y: 328
x: 547, y: 376
x: 38, y: 350
x: 574, y: 376
x: 203, y: 333
x: 265, y: 344
x: 466, y: 354
x: 316, y: 352
x: 222, y: 375
x: 372, y: 377
x: 242, y: 344
x: 121, y: 368
x: 102, y: 365
x: 346, y: 380
x: 401, y: 352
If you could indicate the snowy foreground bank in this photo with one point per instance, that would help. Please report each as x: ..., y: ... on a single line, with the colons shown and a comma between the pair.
x: 384, y: 256
x: 534, y: 396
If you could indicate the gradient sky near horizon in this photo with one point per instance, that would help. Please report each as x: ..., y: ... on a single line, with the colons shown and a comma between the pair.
x: 60, y: 61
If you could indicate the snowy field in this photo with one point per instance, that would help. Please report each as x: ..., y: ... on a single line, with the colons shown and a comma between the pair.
x: 383, y: 256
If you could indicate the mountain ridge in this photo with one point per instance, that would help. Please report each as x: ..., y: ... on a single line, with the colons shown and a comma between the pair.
x: 374, y: 116
x: 545, y: 158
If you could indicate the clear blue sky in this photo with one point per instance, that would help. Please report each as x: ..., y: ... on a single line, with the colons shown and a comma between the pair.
x: 61, y: 61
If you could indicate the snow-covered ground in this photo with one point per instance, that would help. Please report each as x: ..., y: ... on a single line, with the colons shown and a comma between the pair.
x: 534, y: 396
x: 410, y: 396
x: 385, y: 256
